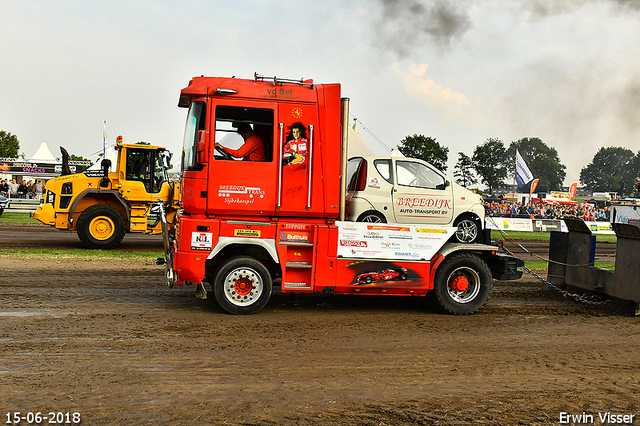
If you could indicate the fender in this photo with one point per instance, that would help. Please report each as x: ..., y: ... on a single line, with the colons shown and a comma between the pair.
x: 268, y: 244
x: 100, y: 192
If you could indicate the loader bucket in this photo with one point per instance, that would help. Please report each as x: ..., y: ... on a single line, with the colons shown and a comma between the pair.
x: 571, y: 259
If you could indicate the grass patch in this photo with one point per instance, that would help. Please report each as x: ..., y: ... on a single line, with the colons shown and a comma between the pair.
x: 545, y: 236
x: 78, y: 254
x: 539, y: 265
x: 21, y: 218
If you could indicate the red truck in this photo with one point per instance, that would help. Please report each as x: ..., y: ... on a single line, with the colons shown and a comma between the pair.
x: 277, y: 218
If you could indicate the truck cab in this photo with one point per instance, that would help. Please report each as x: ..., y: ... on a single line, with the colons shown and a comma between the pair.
x: 297, y: 124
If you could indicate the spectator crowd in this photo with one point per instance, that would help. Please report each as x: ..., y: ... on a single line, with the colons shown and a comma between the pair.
x: 24, y: 189
x: 541, y: 210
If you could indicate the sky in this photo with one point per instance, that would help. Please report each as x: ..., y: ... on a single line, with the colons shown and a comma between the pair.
x: 463, y: 71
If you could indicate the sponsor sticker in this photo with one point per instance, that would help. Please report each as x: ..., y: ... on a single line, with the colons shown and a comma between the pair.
x: 374, y: 183
x: 431, y: 230
x: 252, y: 233
x: 294, y: 236
x: 201, y: 240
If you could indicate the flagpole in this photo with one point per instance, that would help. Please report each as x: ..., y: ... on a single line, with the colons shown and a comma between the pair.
x: 104, y: 141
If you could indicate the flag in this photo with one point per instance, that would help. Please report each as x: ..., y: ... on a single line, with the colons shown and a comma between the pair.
x: 523, y: 174
x: 533, y: 186
x: 104, y: 141
x: 572, y: 190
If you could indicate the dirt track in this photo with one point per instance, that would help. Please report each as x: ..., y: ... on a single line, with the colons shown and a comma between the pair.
x: 112, y: 343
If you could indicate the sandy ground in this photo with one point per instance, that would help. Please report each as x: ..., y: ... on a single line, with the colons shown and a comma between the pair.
x: 109, y: 341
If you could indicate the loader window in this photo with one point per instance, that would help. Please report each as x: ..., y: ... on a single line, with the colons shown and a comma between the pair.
x: 141, y: 166
x: 228, y: 121
x: 195, y: 122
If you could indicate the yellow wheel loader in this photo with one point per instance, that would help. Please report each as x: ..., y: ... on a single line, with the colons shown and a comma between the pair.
x: 102, y: 206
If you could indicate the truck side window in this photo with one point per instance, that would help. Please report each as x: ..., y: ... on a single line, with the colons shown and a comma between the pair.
x: 244, y: 133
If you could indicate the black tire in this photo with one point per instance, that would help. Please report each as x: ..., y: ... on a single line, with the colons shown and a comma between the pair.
x: 242, y: 285
x: 101, y: 227
x: 456, y: 273
x: 372, y: 216
x: 468, y: 231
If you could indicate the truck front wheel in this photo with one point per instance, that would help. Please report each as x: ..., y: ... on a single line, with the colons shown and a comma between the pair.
x: 462, y: 284
x: 101, y: 227
x: 242, y: 285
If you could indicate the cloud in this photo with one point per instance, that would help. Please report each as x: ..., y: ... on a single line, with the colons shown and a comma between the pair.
x: 414, y: 82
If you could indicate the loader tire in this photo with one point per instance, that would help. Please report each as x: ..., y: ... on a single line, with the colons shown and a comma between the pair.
x: 242, y: 285
x: 101, y: 227
x: 462, y: 284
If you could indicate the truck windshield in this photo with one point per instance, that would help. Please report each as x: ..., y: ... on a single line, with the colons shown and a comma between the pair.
x: 195, y: 122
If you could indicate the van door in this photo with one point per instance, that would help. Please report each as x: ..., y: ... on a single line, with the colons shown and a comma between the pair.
x: 421, y: 194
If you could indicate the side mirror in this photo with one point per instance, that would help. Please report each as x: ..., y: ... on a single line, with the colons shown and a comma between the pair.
x: 201, y: 147
x: 106, y: 165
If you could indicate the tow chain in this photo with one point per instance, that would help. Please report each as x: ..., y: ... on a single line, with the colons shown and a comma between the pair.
x: 590, y: 299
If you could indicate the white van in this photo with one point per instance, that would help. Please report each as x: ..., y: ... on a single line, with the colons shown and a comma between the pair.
x: 406, y: 190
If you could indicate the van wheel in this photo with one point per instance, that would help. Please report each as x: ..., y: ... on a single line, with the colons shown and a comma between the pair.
x: 242, y: 285
x: 372, y: 217
x: 101, y: 227
x: 462, y: 284
x: 468, y: 230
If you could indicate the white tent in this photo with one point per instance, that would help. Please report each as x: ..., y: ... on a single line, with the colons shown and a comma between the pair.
x: 43, y: 155
x: 357, y: 147
x: 111, y: 155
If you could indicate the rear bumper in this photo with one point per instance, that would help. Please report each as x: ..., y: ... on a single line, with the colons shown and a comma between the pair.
x: 504, y: 267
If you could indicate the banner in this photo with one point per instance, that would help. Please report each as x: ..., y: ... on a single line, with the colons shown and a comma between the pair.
x: 541, y: 225
x: 523, y: 174
x: 388, y: 241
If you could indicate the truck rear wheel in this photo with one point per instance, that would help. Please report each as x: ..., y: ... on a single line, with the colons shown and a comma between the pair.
x: 462, y: 284
x: 242, y: 285
x: 101, y: 227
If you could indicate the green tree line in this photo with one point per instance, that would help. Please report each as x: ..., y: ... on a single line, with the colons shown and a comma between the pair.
x: 492, y: 163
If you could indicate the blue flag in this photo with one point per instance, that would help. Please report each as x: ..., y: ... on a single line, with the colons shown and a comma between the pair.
x: 523, y: 174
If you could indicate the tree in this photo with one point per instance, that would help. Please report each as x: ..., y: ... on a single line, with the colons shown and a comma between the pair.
x: 490, y: 162
x: 613, y: 169
x: 9, y: 145
x: 542, y: 160
x: 425, y: 148
x: 463, y: 171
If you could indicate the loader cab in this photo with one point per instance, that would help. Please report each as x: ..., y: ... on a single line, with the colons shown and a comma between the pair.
x: 146, y: 166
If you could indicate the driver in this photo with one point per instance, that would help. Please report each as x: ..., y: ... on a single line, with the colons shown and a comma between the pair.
x: 253, y: 147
